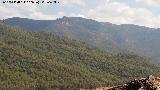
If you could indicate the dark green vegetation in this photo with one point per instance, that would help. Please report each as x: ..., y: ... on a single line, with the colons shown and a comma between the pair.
x: 39, y: 60
x: 106, y: 36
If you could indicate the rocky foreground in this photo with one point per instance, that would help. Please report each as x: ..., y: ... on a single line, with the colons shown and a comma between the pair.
x: 150, y: 83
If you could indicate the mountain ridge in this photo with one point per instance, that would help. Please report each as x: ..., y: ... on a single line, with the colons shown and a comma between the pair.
x: 106, y: 36
x: 81, y: 18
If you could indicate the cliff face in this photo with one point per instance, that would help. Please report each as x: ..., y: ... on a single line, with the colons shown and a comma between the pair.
x: 150, y: 83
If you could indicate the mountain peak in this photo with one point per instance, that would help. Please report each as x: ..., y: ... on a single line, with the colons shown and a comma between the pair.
x: 64, y: 20
x: 64, y: 17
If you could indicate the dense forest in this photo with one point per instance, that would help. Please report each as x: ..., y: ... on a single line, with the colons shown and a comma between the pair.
x: 44, y: 61
x: 104, y: 35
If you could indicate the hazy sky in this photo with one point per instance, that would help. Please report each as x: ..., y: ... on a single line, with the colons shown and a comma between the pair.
x: 140, y: 12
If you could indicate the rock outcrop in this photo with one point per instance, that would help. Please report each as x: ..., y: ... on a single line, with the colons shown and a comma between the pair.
x: 150, y: 83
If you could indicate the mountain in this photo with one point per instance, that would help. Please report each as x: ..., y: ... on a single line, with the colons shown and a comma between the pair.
x: 41, y: 60
x: 106, y: 36
x: 28, y: 24
x: 75, y: 28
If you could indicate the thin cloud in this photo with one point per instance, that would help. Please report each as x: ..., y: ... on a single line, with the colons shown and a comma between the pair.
x: 120, y: 13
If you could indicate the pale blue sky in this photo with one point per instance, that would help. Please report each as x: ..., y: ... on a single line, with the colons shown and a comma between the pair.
x: 140, y: 12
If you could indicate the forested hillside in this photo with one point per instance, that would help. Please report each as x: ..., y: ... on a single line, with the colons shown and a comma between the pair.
x: 106, y: 36
x: 39, y: 60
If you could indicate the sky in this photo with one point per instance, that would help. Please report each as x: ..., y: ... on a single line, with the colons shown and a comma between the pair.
x: 139, y: 12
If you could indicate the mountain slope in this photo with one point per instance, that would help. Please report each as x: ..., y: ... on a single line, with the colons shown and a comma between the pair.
x: 39, y: 60
x: 106, y: 36
x: 76, y: 28
x: 28, y: 24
